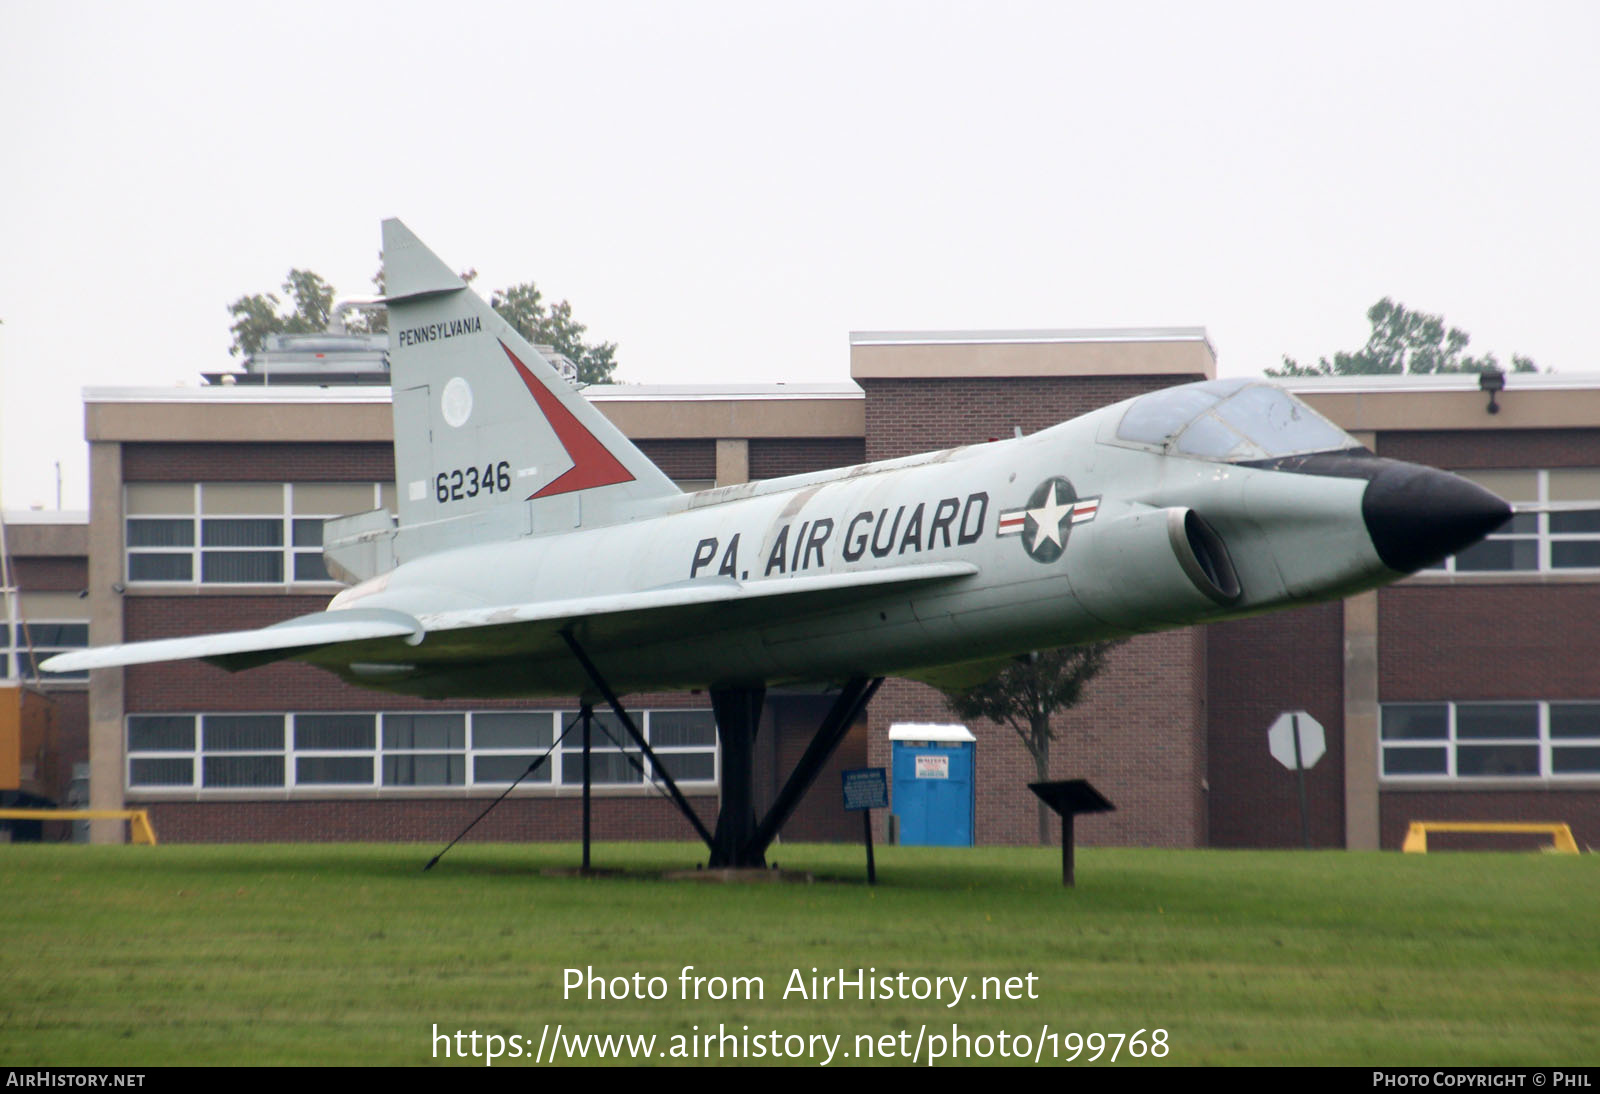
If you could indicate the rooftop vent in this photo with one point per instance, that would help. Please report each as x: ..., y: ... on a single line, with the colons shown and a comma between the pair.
x: 560, y: 362
x: 324, y: 358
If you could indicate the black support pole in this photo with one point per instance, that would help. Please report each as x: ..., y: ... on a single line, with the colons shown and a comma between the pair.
x: 866, y: 826
x: 587, y: 713
x: 738, y: 714
x: 1300, y: 781
x: 1067, y: 840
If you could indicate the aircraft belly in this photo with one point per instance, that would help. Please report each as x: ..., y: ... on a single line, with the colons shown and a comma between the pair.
x: 937, y: 627
x: 884, y: 638
x: 1021, y: 615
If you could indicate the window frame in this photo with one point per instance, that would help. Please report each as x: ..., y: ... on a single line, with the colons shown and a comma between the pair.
x: 549, y: 780
x: 288, y: 551
x: 14, y: 664
x: 1453, y: 742
x: 1541, y: 509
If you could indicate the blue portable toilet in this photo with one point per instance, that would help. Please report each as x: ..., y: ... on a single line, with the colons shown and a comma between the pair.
x: 935, y: 788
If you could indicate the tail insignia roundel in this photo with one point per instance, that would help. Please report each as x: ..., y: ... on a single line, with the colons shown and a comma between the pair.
x: 592, y: 463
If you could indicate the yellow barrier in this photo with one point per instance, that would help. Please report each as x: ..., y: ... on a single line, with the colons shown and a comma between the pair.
x: 1417, y: 834
x: 138, y: 819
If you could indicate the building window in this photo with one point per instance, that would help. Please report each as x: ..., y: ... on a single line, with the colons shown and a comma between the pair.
x: 241, y: 750
x: 334, y: 749
x: 45, y: 638
x: 1467, y: 741
x: 1555, y: 527
x: 321, y: 751
x: 425, y: 750
x: 237, y: 533
x: 685, y: 741
x: 506, y: 742
x: 613, y: 757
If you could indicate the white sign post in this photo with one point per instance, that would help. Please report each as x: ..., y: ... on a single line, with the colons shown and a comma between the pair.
x: 1297, y: 742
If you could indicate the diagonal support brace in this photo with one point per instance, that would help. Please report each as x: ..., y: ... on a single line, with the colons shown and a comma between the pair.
x: 638, y: 738
x: 852, y: 700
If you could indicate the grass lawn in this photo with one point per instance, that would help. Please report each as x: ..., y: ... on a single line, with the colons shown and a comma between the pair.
x: 349, y: 954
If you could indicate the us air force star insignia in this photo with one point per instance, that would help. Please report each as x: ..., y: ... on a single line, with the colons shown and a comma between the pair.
x: 1052, y: 509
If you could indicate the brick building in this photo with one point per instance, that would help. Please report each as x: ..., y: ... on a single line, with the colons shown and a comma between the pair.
x: 1467, y: 691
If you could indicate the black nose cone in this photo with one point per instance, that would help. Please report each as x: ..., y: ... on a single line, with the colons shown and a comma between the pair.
x: 1417, y: 515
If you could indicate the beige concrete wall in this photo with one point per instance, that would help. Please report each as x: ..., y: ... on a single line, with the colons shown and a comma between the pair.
x: 1405, y: 408
x: 47, y: 540
x: 910, y: 360
x: 733, y: 461
x: 105, y: 628
x: 209, y: 420
x: 762, y: 417
x: 1361, y: 722
x: 203, y: 420
x: 1424, y: 409
x: 52, y: 605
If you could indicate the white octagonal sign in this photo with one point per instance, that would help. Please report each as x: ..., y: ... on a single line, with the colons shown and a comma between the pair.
x: 1280, y: 739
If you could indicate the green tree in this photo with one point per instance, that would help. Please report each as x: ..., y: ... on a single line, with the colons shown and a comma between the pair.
x: 1026, y: 693
x: 524, y: 308
x: 1404, y: 341
x: 522, y: 305
x: 255, y: 317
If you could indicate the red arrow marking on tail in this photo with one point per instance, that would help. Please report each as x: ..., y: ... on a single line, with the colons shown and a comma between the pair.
x: 592, y: 462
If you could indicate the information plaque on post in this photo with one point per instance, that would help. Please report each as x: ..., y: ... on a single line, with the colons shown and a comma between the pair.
x: 866, y: 789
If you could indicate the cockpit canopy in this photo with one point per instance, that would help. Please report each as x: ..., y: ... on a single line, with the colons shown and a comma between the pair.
x: 1229, y: 420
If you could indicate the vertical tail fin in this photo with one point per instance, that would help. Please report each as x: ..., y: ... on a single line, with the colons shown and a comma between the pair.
x: 482, y: 422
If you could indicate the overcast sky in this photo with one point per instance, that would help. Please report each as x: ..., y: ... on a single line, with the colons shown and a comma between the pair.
x: 727, y: 190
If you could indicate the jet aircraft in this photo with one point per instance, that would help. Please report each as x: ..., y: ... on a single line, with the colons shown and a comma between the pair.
x: 537, y: 552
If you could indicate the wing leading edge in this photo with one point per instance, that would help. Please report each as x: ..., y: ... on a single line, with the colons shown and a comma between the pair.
x: 281, y: 639
x: 470, y: 634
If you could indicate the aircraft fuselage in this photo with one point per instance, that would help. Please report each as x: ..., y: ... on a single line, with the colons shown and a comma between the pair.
x: 1069, y: 537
